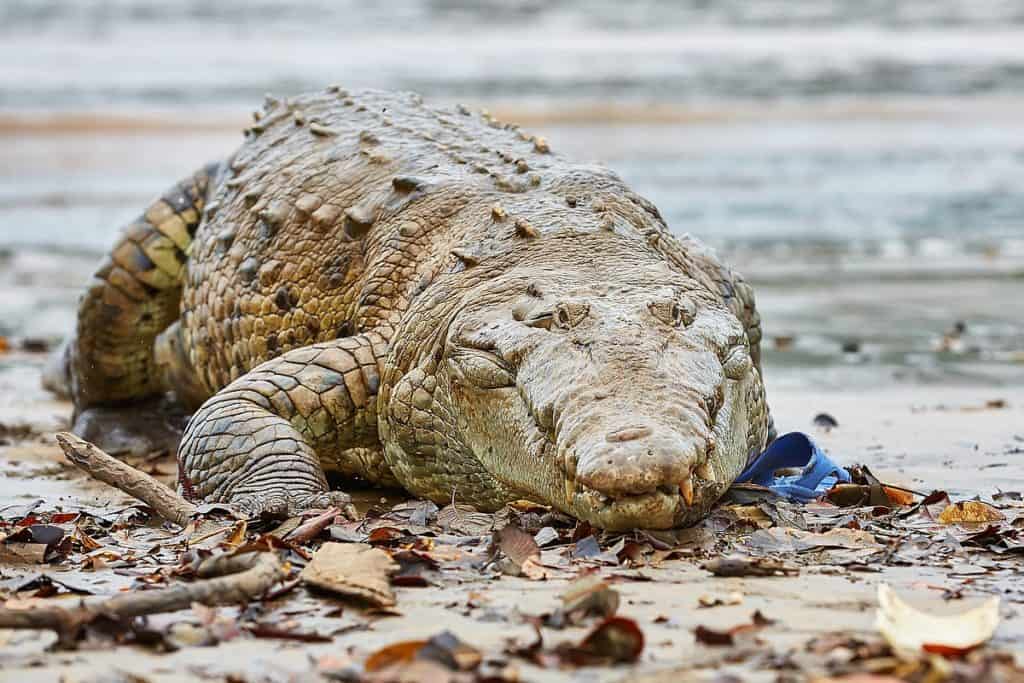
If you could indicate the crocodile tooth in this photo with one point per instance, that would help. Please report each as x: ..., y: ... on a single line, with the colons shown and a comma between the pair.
x: 705, y: 472
x: 686, y: 489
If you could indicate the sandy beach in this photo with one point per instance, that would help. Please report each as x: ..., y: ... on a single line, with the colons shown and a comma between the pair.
x: 937, y: 438
x: 862, y: 164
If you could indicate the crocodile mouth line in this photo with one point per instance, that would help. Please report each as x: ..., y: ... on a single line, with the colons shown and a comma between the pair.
x: 661, y: 506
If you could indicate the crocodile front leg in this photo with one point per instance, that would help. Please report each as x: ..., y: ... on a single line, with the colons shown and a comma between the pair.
x: 258, y: 443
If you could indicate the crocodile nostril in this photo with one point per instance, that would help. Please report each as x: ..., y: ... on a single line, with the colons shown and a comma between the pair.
x: 627, y: 434
x: 737, y: 362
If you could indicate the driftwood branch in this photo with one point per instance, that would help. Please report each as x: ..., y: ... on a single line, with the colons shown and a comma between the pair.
x: 108, y: 469
x: 254, y: 574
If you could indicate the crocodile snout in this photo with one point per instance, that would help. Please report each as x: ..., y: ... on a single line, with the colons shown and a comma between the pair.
x: 635, y: 459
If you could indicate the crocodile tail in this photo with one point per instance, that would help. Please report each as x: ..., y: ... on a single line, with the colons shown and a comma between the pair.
x: 134, y: 295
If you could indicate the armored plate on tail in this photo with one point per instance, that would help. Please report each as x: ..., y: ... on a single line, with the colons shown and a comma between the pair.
x: 428, y: 297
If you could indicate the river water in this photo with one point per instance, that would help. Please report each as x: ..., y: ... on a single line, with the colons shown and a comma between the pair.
x: 863, y: 161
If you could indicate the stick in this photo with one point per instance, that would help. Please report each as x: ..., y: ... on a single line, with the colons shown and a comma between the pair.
x: 255, y: 573
x: 311, y: 528
x: 110, y: 470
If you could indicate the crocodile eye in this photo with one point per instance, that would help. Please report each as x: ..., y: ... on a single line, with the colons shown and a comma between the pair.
x: 569, y: 314
x: 481, y: 369
x: 675, y: 313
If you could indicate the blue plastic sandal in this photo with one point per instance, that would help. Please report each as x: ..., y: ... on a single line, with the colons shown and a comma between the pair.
x: 818, y: 475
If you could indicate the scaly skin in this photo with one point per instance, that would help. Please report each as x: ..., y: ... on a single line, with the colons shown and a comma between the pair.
x: 432, y: 298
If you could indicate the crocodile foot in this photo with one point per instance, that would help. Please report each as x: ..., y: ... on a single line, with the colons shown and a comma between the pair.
x: 280, y: 503
x: 139, y: 428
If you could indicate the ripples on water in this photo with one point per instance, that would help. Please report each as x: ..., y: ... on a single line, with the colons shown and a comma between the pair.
x: 833, y: 140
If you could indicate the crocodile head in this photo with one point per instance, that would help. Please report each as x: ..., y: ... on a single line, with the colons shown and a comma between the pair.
x: 632, y: 403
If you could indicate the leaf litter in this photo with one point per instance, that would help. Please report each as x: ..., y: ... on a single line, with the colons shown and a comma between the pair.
x: 344, y: 575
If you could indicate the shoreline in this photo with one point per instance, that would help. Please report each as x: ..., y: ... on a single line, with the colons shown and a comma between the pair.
x: 547, y: 111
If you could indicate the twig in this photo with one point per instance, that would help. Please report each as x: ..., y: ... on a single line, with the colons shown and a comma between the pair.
x: 312, y: 527
x: 254, y: 574
x: 110, y: 470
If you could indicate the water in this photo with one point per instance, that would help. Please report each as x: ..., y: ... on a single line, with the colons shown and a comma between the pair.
x: 863, y: 162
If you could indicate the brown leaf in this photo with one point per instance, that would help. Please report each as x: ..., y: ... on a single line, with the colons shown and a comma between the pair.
x: 709, y: 636
x: 64, y: 517
x: 87, y: 542
x: 412, y: 565
x: 614, y: 640
x: 23, y: 553
x: 856, y: 495
x: 970, y: 512
x: 396, y: 653
x: 898, y: 497
x: 312, y: 527
x: 751, y: 514
x: 735, y: 566
x: 590, y: 594
x: 445, y: 648
x: 522, y: 552
x: 35, y: 543
x: 352, y: 569
x: 385, y: 535
x: 237, y: 535
x: 464, y: 520
x: 517, y: 545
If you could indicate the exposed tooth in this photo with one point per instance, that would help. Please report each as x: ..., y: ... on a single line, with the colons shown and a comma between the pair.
x: 705, y: 472
x: 570, y: 462
x: 570, y: 489
x: 686, y: 489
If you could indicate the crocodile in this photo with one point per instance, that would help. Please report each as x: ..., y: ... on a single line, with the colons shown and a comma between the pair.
x: 424, y: 297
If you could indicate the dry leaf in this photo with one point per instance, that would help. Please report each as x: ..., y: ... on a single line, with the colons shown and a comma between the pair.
x: 617, y: 639
x: 734, y: 566
x: 87, y: 542
x: 464, y: 520
x: 970, y: 512
x: 910, y: 631
x: 751, y: 514
x: 395, y: 653
x: 309, y: 529
x: 23, y: 553
x: 446, y: 649
x: 898, y: 497
x: 522, y: 552
x: 710, y: 636
x: 590, y: 594
x: 237, y: 535
x: 352, y: 569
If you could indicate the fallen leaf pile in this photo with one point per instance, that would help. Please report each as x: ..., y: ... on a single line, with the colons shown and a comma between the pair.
x: 345, y: 576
